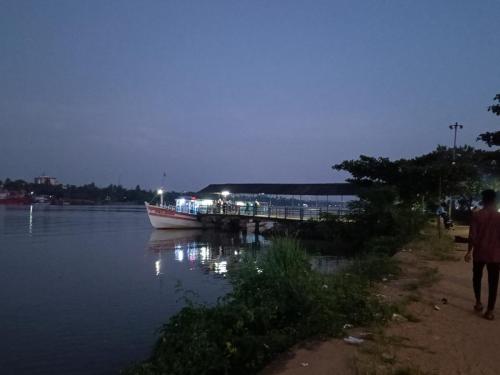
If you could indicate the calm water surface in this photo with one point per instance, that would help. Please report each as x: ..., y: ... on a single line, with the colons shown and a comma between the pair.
x: 84, y: 290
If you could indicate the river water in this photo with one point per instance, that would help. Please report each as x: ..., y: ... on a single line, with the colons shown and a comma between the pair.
x: 84, y: 290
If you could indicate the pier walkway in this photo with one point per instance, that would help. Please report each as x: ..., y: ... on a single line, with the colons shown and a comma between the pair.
x: 271, y: 212
x: 315, y: 194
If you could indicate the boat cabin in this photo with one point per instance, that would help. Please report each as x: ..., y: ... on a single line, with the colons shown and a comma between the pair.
x: 193, y: 205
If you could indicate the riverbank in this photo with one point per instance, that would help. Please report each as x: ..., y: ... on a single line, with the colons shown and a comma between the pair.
x: 277, y: 300
x: 437, y: 332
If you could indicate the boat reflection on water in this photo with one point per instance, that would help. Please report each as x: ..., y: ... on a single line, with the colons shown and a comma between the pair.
x: 162, y: 240
x: 208, y: 251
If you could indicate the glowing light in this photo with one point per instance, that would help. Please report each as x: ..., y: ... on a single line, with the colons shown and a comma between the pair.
x: 220, y: 267
x: 225, y: 193
x: 204, y: 253
x: 179, y: 254
x: 207, y: 202
x: 240, y: 203
x: 158, y: 267
x: 160, y: 191
x: 192, y: 252
x: 181, y: 201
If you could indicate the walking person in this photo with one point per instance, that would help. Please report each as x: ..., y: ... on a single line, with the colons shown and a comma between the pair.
x: 484, y: 248
x: 441, y: 212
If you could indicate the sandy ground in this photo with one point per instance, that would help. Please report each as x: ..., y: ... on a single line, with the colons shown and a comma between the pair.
x: 447, y: 338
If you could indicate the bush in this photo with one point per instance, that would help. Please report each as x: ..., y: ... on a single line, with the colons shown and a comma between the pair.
x: 377, y: 223
x: 277, y: 300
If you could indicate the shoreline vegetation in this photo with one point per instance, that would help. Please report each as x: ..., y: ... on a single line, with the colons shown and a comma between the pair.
x: 277, y: 300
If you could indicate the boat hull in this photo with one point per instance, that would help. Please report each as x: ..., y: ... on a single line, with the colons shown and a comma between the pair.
x: 166, y: 218
x: 15, y: 200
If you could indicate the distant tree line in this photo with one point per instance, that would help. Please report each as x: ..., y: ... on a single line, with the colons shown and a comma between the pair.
x: 88, y: 193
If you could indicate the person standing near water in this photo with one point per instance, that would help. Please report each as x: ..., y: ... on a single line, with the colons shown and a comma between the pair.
x: 484, y: 248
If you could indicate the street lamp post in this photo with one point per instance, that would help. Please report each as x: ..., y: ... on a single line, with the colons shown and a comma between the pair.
x: 455, y: 128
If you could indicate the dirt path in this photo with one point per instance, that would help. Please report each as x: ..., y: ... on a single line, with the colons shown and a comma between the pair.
x: 439, y: 338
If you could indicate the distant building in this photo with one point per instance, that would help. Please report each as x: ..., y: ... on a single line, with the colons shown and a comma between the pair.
x: 45, y: 180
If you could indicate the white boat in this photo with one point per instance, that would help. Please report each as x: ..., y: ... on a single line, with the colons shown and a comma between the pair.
x: 165, y: 217
x: 184, y: 215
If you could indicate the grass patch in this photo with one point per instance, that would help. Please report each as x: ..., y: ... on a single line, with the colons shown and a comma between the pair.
x: 386, y: 367
x: 374, y: 267
x: 277, y: 301
x: 431, y: 247
x: 380, y: 356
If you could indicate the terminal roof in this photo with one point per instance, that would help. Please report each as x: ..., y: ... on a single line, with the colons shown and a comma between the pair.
x: 283, y: 189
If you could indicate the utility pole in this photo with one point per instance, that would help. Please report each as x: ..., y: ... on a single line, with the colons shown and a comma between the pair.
x: 455, y: 128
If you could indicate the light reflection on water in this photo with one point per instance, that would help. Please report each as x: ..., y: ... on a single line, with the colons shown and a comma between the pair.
x: 30, y: 228
x: 208, y: 252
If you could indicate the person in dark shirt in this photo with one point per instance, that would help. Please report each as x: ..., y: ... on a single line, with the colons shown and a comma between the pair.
x: 484, y: 248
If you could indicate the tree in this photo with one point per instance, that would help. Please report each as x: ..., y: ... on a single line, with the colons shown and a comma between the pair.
x: 428, y: 175
x: 492, y: 138
x: 495, y: 108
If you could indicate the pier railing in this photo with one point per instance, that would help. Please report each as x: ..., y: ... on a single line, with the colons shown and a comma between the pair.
x: 271, y: 212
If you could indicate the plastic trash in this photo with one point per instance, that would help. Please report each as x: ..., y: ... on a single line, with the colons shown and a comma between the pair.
x: 347, y: 326
x: 304, y: 364
x: 437, y: 308
x: 353, y: 340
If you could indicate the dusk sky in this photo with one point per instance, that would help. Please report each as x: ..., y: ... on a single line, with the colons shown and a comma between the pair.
x: 237, y: 91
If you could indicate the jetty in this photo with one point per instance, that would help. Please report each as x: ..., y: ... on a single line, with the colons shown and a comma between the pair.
x: 269, y: 201
x: 257, y: 205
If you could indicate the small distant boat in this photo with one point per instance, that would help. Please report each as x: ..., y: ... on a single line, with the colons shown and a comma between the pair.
x: 41, y: 200
x: 13, y: 198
